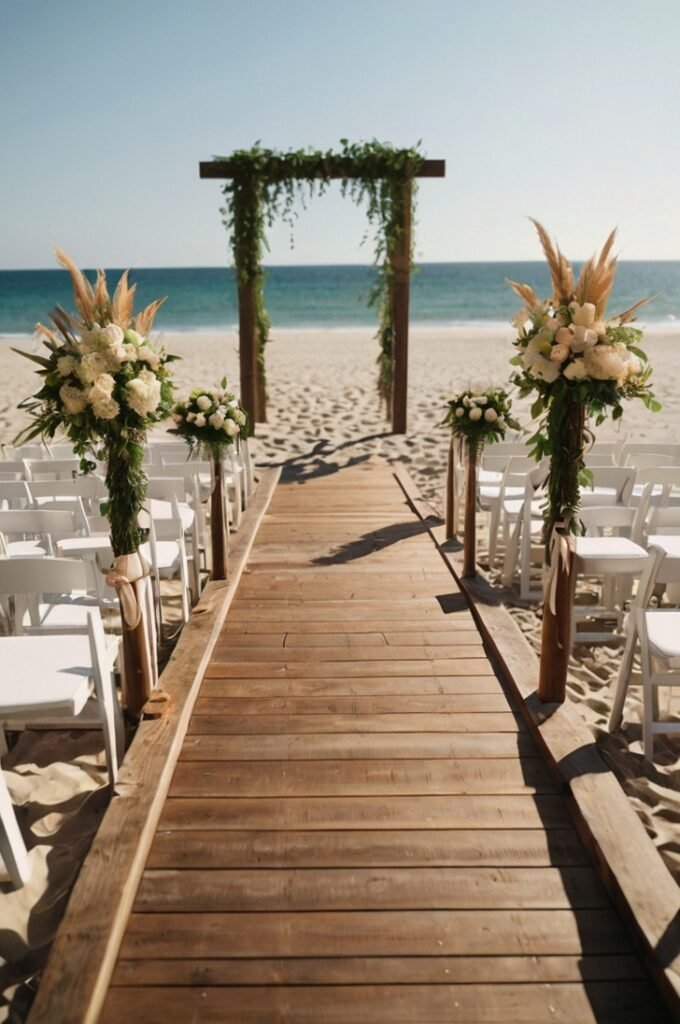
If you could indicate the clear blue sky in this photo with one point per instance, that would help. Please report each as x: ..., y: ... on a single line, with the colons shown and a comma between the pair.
x: 567, y: 111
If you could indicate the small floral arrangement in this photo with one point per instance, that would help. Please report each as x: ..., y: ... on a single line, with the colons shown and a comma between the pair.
x: 578, y: 363
x: 210, y: 419
x: 104, y: 384
x: 480, y: 417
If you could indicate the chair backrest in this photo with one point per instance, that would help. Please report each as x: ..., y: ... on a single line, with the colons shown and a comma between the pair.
x: 601, y: 519
x: 517, y: 470
x: 648, y: 460
x: 57, y: 469
x: 649, y: 447
x: 598, y: 459
x: 62, y: 450
x: 51, y: 523
x: 12, y: 469
x: 612, y: 448
x: 495, y: 457
x: 12, y: 847
x: 165, y: 452
x: 617, y: 479
x: 90, y: 488
x: 664, y: 520
x: 663, y: 566
x: 14, y: 494
x: 42, y: 575
x: 165, y: 488
x: 25, y: 451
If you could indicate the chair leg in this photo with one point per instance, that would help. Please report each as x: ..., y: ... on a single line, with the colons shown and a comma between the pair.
x: 493, y: 533
x: 622, y: 680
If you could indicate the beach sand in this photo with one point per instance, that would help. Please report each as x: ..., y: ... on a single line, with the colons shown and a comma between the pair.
x: 323, y: 409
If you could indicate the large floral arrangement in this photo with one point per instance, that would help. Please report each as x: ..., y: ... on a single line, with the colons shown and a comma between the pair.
x: 104, y: 384
x: 480, y: 417
x: 210, y: 419
x: 578, y: 363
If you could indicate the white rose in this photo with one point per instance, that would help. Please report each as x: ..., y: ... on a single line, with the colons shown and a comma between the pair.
x: 544, y: 369
x: 582, y: 316
x: 105, y: 383
x: 147, y: 355
x: 479, y: 399
x: 239, y: 416
x: 191, y: 416
x: 466, y: 401
x: 490, y: 415
x: 564, y: 336
x: 203, y: 403
x: 74, y: 400
x: 560, y: 353
x: 113, y: 334
x: 104, y: 407
x: 576, y: 370
x: 553, y: 324
x: 230, y: 428
x: 604, y: 363
x: 475, y: 414
x: 66, y: 365
x: 216, y: 420
x: 91, y: 365
x: 200, y: 419
x: 144, y: 393
x: 460, y: 411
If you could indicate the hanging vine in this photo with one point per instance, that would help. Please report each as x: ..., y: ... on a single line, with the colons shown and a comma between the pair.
x: 266, y: 184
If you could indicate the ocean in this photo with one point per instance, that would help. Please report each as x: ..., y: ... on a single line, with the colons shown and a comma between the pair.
x: 204, y: 298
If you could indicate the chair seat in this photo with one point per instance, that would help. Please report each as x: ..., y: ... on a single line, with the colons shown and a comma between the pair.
x: 50, y: 673
x: 513, y: 508
x: 168, y: 556
x: 598, y: 496
x: 488, y: 476
x: 26, y: 549
x: 663, y: 631
x: 608, y: 555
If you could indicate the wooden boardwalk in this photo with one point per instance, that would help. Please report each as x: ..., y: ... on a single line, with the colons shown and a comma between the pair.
x: 360, y: 828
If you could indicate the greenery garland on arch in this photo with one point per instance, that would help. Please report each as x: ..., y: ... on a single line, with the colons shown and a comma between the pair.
x: 265, y: 185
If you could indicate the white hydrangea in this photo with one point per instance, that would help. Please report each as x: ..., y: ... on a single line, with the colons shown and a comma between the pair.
x: 603, y: 362
x: 74, y: 400
x: 111, y: 335
x: 147, y: 355
x: 144, y: 393
x: 105, y: 407
x: 66, y: 365
x: 91, y: 365
x: 576, y: 370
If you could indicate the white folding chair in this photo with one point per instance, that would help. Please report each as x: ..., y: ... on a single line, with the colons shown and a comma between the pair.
x: 607, y: 552
x: 166, y: 551
x: 62, y: 682
x: 91, y: 489
x: 192, y: 474
x: 611, y: 485
x: 631, y: 450
x: 51, y: 595
x: 522, y: 522
x: 12, y: 469
x: 14, y: 494
x: 511, y: 486
x: 35, y: 530
x: 14, y: 860
x: 54, y: 469
x: 657, y: 630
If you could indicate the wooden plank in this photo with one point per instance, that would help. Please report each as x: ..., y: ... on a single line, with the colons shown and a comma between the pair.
x: 617, y: 1002
x: 339, y: 169
x: 360, y: 812
x: 367, y: 889
x: 431, y: 704
x: 375, y: 933
x: 292, y: 669
x: 450, y: 625
x: 373, y: 686
x: 225, y: 653
x: 265, y: 849
x: 403, y: 970
x: 335, y: 745
x: 269, y: 725
x: 342, y: 611
x: 83, y: 954
x: 361, y: 778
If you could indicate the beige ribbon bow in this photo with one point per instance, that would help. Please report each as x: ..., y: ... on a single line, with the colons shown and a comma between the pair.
x: 561, y: 546
x: 126, y: 570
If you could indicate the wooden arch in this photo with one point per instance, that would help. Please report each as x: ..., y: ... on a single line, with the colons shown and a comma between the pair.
x: 251, y: 393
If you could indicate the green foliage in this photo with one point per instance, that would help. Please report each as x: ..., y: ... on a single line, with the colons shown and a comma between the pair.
x: 210, y: 420
x: 266, y: 184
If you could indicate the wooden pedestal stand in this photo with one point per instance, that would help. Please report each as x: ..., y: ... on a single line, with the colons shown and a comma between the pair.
x: 219, y: 532
x: 470, y: 527
x: 450, y: 511
x: 139, y: 674
x: 556, y: 629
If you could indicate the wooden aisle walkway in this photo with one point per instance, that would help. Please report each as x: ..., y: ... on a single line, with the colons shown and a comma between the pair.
x: 360, y: 828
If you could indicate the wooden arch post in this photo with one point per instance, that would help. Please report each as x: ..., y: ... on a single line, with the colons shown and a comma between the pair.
x: 252, y: 391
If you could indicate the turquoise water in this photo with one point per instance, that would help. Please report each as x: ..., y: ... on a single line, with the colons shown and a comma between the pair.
x: 202, y: 298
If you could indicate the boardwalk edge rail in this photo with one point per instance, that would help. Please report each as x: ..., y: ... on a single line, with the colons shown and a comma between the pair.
x: 80, y: 964
x: 624, y: 856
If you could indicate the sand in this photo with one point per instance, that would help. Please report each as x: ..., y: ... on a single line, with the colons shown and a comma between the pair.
x: 324, y: 410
